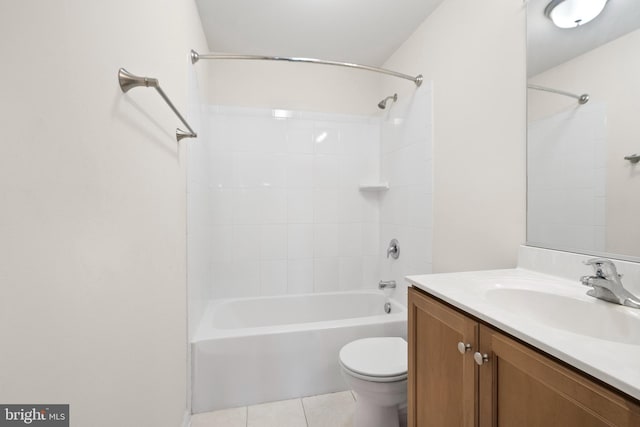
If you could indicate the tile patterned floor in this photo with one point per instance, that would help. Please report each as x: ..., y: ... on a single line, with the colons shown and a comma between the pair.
x: 326, y: 410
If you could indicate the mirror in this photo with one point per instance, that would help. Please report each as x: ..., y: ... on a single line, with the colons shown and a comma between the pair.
x: 582, y: 194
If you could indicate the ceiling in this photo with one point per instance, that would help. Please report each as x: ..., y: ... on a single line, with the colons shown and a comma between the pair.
x: 548, y: 46
x: 368, y: 32
x: 360, y: 31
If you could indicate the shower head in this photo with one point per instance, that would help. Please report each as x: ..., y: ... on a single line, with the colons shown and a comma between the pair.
x: 383, y: 104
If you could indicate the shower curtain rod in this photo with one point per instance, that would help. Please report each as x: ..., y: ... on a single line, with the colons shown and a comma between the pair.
x: 195, y: 57
x: 582, y: 99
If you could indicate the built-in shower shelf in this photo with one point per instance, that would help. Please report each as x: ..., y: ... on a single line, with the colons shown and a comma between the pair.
x: 374, y: 186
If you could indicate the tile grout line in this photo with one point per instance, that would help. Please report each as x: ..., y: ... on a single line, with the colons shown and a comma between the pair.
x: 246, y: 412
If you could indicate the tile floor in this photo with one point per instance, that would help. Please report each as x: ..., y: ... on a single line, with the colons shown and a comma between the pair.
x: 325, y: 410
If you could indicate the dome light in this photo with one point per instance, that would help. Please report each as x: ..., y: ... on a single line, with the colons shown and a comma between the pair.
x: 573, y: 13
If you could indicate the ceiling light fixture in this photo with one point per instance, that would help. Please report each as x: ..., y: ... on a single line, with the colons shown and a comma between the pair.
x: 573, y: 13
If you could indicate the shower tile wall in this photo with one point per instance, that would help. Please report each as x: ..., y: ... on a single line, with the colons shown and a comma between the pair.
x: 406, y: 208
x: 567, y: 179
x: 274, y: 205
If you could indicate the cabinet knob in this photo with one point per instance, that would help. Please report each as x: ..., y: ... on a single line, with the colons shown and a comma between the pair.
x: 480, y: 358
x: 463, y: 348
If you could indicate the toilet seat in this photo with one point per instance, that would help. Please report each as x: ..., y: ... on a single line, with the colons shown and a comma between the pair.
x: 380, y: 359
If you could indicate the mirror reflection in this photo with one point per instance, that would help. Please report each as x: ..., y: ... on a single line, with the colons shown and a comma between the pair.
x: 583, y: 185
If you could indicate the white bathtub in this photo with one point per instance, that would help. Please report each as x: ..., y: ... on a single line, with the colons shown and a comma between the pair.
x: 254, y: 350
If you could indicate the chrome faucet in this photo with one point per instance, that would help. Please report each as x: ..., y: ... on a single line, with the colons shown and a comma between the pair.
x: 607, y: 285
x: 386, y: 284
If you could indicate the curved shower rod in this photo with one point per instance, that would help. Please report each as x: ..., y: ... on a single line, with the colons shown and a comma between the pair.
x: 128, y: 81
x: 582, y: 99
x: 195, y: 57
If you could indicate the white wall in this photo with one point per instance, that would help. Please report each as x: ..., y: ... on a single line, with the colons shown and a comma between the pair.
x: 274, y: 205
x: 92, y: 254
x: 474, y: 52
x: 609, y: 74
x: 292, y: 86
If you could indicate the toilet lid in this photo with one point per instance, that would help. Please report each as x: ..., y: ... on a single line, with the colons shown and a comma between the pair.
x: 376, y: 357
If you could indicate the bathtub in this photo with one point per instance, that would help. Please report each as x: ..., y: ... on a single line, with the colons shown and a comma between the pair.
x: 254, y: 350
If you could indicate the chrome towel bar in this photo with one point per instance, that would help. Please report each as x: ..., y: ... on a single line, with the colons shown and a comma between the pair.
x: 128, y: 81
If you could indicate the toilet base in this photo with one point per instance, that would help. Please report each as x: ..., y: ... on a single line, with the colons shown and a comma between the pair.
x: 369, y: 415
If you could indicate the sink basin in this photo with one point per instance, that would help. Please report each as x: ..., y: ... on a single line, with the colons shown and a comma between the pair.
x: 593, y: 318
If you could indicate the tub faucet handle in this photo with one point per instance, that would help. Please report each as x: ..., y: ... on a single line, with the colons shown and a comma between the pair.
x: 394, y: 249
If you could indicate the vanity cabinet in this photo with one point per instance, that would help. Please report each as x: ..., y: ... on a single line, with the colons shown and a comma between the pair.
x: 465, y: 373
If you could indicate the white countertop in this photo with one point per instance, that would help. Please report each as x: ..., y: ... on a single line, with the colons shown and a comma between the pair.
x: 614, y: 358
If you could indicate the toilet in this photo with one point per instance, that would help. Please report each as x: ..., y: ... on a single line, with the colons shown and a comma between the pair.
x: 376, y: 370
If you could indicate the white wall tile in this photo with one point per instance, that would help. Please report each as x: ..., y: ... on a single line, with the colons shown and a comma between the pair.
x: 350, y: 273
x: 395, y: 205
x: 400, y: 167
x: 299, y: 241
x: 326, y: 171
x: 420, y: 210
x: 352, y: 136
x: 350, y: 205
x: 260, y: 169
x: 370, y: 272
x: 325, y: 206
x: 273, y: 206
x: 246, y: 278
x: 264, y: 135
x: 300, y: 276
x: 247, y: 206
x: 199, y: 208
x: 325, y: 240
x: 352, y: 172
x: 220, y: 127
x: 222, y: 282
x: 273, y: 277
x: 273, y: 241
x: 199, y: 262
x: 221, y: 206
x: 600, y: 211
x: 370, y: 238
x: 246, y: 242
x: 220, y: 240
x: 370, y: 206
x: 299, y: 206
x: 325, y: 274
x: 219, y: 170
x: 326, y: 138
x: 300, y: 171
x: 300, y: 136
x: 350, y: 240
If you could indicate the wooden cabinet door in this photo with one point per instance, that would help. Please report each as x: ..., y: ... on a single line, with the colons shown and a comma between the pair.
x: 442, y: 381
x: 521, y: 387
